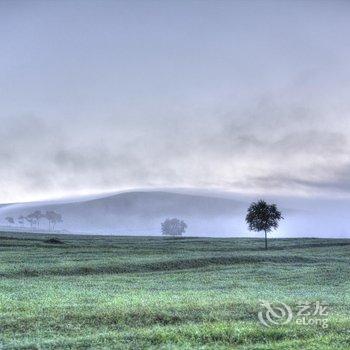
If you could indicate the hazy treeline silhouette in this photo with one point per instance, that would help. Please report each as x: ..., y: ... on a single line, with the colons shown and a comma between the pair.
x: 34, y: 219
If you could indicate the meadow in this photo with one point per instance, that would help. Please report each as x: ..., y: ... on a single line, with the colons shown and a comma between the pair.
x: 104, y: 292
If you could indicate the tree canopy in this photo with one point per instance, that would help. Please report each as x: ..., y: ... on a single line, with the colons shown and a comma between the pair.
x: 173, y: 227
x: 262, y: 216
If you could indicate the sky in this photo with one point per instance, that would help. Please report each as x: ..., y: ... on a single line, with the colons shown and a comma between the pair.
x: 247, y: 96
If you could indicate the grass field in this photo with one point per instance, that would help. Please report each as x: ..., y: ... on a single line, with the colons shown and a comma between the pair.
x: 164, y: 293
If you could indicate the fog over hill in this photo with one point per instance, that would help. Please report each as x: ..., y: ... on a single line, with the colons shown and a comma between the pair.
x: 207, y: 213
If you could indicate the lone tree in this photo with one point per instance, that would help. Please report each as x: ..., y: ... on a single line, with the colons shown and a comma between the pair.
x: 173, y: 227
x: 263, y: 217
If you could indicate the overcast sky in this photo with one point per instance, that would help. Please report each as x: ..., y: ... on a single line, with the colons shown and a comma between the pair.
x: 250, y: 96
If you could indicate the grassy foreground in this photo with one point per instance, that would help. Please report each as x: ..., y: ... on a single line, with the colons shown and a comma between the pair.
x: 163, y: 293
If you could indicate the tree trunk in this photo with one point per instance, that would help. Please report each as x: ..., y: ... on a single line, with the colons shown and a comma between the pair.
x: 265, y: 240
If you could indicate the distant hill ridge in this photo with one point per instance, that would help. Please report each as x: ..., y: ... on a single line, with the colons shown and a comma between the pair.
x: 207, y: 213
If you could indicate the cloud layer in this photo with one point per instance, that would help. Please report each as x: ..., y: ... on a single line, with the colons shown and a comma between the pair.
x: 238, y: 96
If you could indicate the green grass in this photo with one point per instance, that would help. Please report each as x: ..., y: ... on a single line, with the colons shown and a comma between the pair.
x: 164, y: 293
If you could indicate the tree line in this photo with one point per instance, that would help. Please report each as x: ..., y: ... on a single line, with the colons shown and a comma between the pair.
x: 34, y: 219
x: 261, y: 216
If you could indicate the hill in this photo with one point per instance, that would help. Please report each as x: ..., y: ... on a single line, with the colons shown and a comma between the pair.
x: 206, y: 213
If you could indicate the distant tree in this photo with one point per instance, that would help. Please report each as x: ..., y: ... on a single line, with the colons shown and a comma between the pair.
x: 37, y: 215
x: 173, y: 227
x: 34, y: 218
x: 57, y: 219
x: 20, y: 220
x: 263, y: 217
x: 31, y: 219
x: 53, y: 218
x: 10, y: 220
x: 47, y: 216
